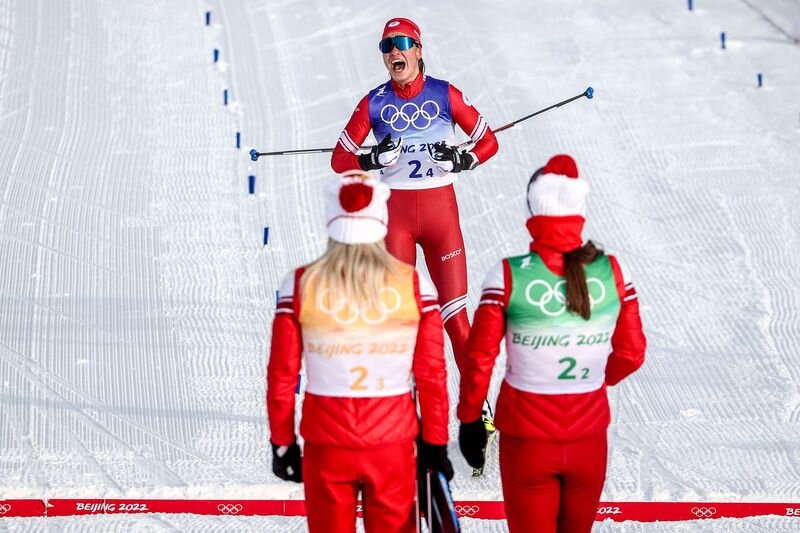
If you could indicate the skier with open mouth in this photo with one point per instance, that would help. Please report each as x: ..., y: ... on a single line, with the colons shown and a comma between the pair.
x: 413, y: 116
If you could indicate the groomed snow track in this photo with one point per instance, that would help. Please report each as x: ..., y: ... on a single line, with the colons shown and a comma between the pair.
x: 136, y: 291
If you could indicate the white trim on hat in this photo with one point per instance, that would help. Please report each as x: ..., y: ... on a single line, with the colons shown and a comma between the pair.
x: 556, y: 195
x: 366, y: 225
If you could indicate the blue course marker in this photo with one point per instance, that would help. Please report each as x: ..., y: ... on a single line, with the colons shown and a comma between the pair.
x: 251, y: 184
x: 760, y: 80
x: 208, y: 18
x: 266, y: 235
x: 225, y: 97
x: 722, y: 39
x: 216, y: 55
x: 690, y: 5
x: 238, y: 139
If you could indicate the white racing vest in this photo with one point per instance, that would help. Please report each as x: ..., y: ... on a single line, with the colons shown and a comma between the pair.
x: 360, y: 351
x: 550, y: 349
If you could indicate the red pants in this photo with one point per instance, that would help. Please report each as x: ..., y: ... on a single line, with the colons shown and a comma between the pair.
x: 385, y: 475
x: 552, y: 487
x: 429, y: 217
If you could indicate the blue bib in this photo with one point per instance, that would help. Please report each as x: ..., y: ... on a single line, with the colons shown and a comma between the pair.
x: 422, y: 120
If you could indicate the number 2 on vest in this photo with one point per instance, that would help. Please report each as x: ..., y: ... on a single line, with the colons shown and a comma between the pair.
x: 571, y: 363
x: 361, y: 373
x: 415, y: 173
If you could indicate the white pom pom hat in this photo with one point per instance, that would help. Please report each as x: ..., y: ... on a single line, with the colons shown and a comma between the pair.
x: 355, y: 208
x: 556, y: 190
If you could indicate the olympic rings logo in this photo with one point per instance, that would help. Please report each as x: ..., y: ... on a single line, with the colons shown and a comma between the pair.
x: 4, y: 508
x: 559, y: 294
x: 229, y: 508
x: 467, y: 510
x: 345, y: 312
x: 704, y: 512
x: 410, y: 115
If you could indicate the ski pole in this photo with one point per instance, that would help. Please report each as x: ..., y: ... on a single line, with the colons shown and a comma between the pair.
x: 588, y: 93
x: 255, y: 154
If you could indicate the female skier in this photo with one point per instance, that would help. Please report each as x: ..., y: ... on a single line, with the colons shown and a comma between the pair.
x: 570, y: 318
x: 413, y: 116
x: 364, y: 323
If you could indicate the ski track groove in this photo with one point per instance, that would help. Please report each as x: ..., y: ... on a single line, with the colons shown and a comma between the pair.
x: 43, y: 261
x: 146, y: 354
x: 90, y: 455
x: 38, y: 375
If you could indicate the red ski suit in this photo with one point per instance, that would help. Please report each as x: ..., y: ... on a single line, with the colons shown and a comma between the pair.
x: 553, y: 446
x: 423, y: 211
x: 359, y: 433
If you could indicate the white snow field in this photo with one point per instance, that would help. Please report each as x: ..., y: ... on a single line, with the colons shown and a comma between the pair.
x: 136, y: 292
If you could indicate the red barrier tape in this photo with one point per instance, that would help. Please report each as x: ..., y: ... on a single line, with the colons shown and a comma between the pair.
x: 491, y: 510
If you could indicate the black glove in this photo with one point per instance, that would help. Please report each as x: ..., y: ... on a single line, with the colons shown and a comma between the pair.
x: 449, y: 159
x: 384, y: 154
x: 288, y: 465
x: 472, y: 438
x: 434, y: 457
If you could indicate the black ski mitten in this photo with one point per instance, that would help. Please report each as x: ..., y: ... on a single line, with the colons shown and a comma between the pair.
x: 287, y: 463
x: 472, y: 438
x: 434, y: 457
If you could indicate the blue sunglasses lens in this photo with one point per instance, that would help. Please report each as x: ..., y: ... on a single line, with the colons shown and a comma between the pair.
x: 402, y: 42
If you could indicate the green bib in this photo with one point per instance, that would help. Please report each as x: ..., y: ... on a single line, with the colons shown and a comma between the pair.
x: 552, y: 350
x: 538, y: 297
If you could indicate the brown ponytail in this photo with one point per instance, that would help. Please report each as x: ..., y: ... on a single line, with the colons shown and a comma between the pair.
x: 577, y: 291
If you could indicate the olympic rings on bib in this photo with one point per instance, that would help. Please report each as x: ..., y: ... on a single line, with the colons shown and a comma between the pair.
x: 410, y: 115
x: 558, y: 292
x: 344, y: 311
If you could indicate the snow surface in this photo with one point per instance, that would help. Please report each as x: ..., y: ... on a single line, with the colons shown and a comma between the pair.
x: 136, y: 295
x: 148, y: 523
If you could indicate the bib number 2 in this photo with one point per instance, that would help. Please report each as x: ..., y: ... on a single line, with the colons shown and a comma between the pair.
x: 415, y: 167
x: 571, y: 363
x: 360, y: 374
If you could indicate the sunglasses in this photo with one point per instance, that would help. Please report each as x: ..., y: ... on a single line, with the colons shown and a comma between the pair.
x: 402, y: 42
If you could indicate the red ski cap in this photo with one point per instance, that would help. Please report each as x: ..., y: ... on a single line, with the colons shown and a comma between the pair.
x: 558, y: 191
x: 563, y: 165
x: 403, y: 26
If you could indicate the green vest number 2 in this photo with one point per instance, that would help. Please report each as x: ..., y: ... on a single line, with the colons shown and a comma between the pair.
x: 571, y: 364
